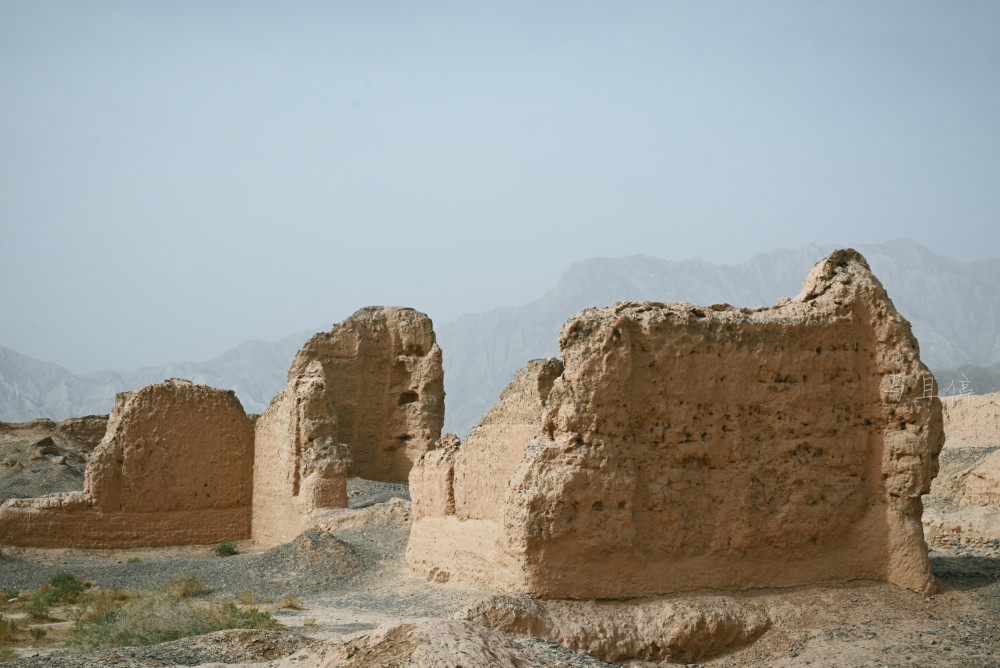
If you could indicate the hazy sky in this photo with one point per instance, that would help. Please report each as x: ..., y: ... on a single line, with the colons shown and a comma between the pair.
x: 178, y: 177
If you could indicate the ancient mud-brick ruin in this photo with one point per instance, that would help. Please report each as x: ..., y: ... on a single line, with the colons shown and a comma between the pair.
x: 183, y: 463
x: 687, y: 447
x: 365, y: 399
x: 175, y: 466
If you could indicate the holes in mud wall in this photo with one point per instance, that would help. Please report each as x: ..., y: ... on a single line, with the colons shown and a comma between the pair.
x: 408, y: 398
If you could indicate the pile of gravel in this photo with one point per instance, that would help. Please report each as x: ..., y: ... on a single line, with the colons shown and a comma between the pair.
x: 362, y: 493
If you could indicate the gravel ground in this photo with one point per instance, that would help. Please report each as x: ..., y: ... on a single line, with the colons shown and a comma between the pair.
x: 557, y: 656
x: 257, y: 646
x: 355, y: 581
x: 314, y: 564
x: 363, y: 493
x: 238, y: 646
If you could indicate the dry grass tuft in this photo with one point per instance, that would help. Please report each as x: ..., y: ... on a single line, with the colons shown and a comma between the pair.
x: 288, y: 603
x: 8, y: 629
x: 246, y: 598
x: 183, y: 586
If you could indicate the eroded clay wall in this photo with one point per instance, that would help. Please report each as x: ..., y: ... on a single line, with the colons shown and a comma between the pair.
x: 458, y: 488
x: 175, y: 466
x: 981, y: 485
x: 972, y: 421
x: 276, y: 513
x: 299, y: 464
x: 493, y: 450
x: 686, y: 447
x: 383, y: 370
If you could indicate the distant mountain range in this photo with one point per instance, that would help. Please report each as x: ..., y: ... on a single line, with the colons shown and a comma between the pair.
x: 954, y: 308
x: 29, y: 388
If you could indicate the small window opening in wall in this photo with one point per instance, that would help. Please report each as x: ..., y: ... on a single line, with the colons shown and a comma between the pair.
x: 407, y: 398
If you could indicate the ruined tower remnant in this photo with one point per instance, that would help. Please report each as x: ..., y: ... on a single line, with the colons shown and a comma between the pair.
x: 175, y: 467
x: 687, y: 447
x: 365, y: 399
x: 182, y: 463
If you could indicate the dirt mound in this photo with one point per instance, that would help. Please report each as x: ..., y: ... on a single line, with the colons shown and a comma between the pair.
x: 647, y: 630
x: 435, y: 643
x: 304, y: 558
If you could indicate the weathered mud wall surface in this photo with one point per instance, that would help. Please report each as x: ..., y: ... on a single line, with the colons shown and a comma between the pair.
x: 972, y: 421
x: 686, y: 447
x: 981, y: 486
x: 458, y: 489
x: 382, y: 368
x: 365, y: 399
x: 964, y: 506
x: 174, y: 467
x: 299, y: 465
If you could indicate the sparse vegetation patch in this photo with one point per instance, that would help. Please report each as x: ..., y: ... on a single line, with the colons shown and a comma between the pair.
x: 8, y: 629
x: 183, y: 586
x: 155, y: 618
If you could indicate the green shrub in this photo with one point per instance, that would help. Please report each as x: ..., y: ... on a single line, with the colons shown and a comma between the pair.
x: 67, y: 587
x: 157, y: 618
x: 62, y: 588
x: 226, y: 548
x: 38, y: 603
x: 134, y: 560
x: 7, y: 654
x: 37, y: 633
x: 7, y: 594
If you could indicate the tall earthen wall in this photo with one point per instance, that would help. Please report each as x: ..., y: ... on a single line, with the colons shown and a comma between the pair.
x: 686, y: 447
x: 299, y: 465
x: 174, y: 467
x: 385, y: 381
x: 365, y: 399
